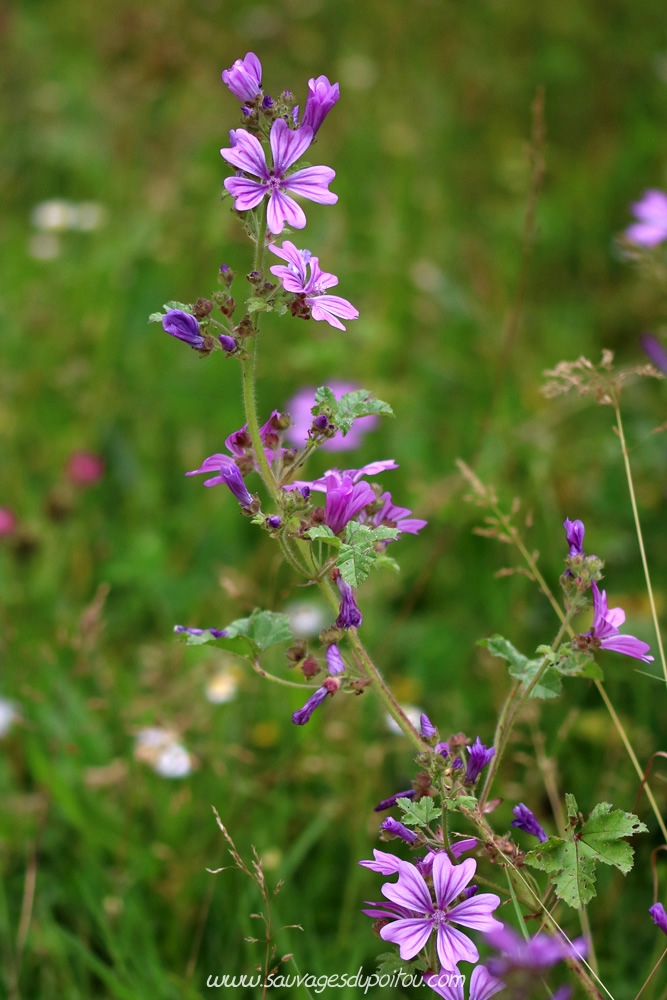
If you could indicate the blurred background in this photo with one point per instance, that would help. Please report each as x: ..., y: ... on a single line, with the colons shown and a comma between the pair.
x: 113, y: 115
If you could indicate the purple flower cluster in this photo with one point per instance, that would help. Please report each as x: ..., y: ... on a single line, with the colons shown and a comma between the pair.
x: 605, y: 634
x: 294, y: 278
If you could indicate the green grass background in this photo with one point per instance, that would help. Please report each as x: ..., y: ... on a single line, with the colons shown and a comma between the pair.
x: 122, y: 103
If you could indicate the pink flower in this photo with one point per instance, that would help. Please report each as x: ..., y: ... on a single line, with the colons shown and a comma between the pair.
x: 299, y: 407
x: 294, y: 278
x: 7, y: 522
x: 287, y: 146
x: 651, y: 211
x: 605, y: 633
x: 244, y: 78
x: 84, y: 468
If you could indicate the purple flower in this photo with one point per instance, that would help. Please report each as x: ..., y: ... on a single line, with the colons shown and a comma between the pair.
x: 231, y: 476
x: 605, y: 634
x: 449, y: 984
x: 301, y: 717
x: 385, y: 864
x: 655, y: 350
x: 217, y: 633
x: 229, y: 344
x: 460, y: 847
x: 526, y: 820
x: 651, y: 211
x: 322, y: 95
x: 344, y: 501
x: 442, y: 749
x: 398, y: 830
x: 335, y: 663
x: 294, y: 278
x: 392, y: 800
x: 574, y: 536
x: 418, y: 916
x: 659, y: 916
x: 299, y: 408
x: 349, y: 615
x: 539, y: 952
x: 427, y: 727
x: 273, y: 521
x: 287, y: 146
x: 183, y: 326
x: 396, y: 517
x: 479, y: 757
x: 214, y: 463
x: 372, y: 469
x: 244, y: 78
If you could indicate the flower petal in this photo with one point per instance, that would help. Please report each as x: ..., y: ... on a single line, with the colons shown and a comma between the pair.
x: 441, y: 983
x: 476, y: 912
x: 312, y: 183
x: 248, y: 193
x: 288, y: 145
x: 409, y: 934
x: 410, y: 890
x: 247, y: 154
x: 454, y: 947
x: 483, y: 985
x: 449, y: 880
x: 628, y: 645
x: 328, y: 307
x: 283, y: 209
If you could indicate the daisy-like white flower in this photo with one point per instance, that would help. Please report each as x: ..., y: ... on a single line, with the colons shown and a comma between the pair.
x: 414, y: 915
x: 287, y: 146
x: 605, y: 633
x: 294, y: 278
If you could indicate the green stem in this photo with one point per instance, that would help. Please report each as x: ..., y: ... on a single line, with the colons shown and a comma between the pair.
x: 640, y: 539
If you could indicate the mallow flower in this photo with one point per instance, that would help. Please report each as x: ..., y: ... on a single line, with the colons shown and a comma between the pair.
x: 344, y: 501
x: 449, y: 984
x: 537, y: 953
x: 651, y: 213
x: 294, y: 278
x: 574, y: 536
x: 605, y: 634
x: 322, y: 95
x: 659, y: 916
x: 656, y: 351
x: 244, y: 78
x: 287, y: 146
x: 526, y: 820
x: 184, y: 327
x: 414, y: 915
x: 299, y: 408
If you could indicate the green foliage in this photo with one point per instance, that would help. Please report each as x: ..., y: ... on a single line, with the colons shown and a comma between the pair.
x: 418, y: 812
x: 249, y: 636
x: 570, y: 662
x: 156, y: 317
x: 351, y: 405
x: 358, y: 553
x: 571, y: 861
x: 523, y: 669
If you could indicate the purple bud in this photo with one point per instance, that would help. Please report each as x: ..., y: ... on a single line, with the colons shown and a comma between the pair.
x: 655, y: 350
x: 301, y: 717
x: 398, y: 830
x: 442, y: 749
x: 470, y: 891
x: 322, y: 96
x: 244, y: 78
x: 304, y: 491
x: 392, y: 800
x: 228, y: 343
x: 457, y: 763
x: 320, y: 423
x: 461, y: 846
x: 349, y: 615
x: 233, y: 478
x: 267, y: 103
x: 526, y: 820
x: 217, y: 633
x: 273, y: 521
x: 659, y: 916
x: 225, y: 269
x: 183, y: 326
x: 427, y: 727
x: 335, y: 663
x: 480, y: 756
x: 574, y: 536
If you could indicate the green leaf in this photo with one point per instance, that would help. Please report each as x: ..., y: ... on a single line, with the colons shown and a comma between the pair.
x: 522, y: 668
x: 419, y: 813
x: 326, y: 534
x: 183, y: 306
x: 250, y: 636
x: 571, y: 861
x: 572, y: 662
x: 255, y: 304
x: 358, y: 553
x: 352, y: 405
x: 155, y: 317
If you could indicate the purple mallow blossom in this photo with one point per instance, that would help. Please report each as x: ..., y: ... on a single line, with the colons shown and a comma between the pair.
x: 244, y: 78
x: 231, y: 476
x: 335, y: 663
x: 301, y: 717
x: 427, y: 727
x: 651, y: 211
x: 605, y: 634
x: 349, y: 615
x: 460, y: 847
x: 299, y: 408
x: 479, y: 757
x: 392, y: 516
x: 322, y: 95
x: 287, y: 146
x: 399, y: 830
x: 655, y: 350
x: 384, y: 864
x: 414, y: 915
x: 527, y: 821
x: 227, y: 343
x: 240, y: 445
x: 183, y: 326
x: 214, y: 463
x: 538, y: 953
x: 344, y: 500
x: 659, y: 916
x: 295, y: 278
x: 449, y: 984
x: 372, y: 469
x: 217, y: 633
x: 574, y: 536
x: 392, y: 800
